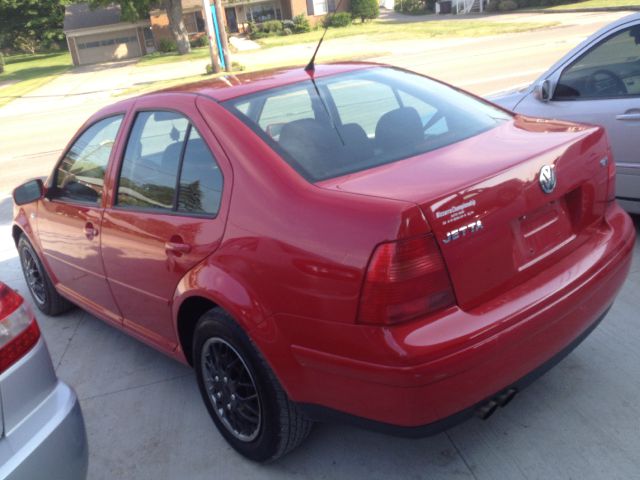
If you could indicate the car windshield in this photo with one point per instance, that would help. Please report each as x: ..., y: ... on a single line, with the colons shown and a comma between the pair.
x: 358, y: 120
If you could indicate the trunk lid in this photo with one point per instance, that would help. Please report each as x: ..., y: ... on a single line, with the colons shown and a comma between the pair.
x: 484, y: 201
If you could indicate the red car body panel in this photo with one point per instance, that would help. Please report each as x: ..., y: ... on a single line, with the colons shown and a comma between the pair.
x: 287, y: 258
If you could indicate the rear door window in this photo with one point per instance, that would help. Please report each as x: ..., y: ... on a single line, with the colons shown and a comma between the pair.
x: 151, y: 160
x: 200, y: 189
x: 80, y: 175
x: 168, y: 167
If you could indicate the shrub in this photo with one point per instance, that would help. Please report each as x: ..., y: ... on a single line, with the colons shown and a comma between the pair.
x: 340, y: 19
x: 1, y: 63
x: 165, y: 45
x: 365, y: 9
x: 492, y: 7
x: 201, y: 41
x: 288, y: 24
x: 256, y: 35
x: 507, y: 5
x: 271, y: 26
x: 412, y: 7
x: 301, y: 24
x: 287, y: 31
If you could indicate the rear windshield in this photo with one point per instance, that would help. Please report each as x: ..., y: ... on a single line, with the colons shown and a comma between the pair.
x: 358, y: 120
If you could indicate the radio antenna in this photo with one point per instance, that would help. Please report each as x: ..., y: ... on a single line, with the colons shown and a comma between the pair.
x: 311, y: 67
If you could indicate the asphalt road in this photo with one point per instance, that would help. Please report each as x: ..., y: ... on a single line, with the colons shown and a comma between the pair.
x: 145, y: 418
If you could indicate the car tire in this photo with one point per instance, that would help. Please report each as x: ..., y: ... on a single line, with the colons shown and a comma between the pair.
x: 242, y: 394
x: 44, y: 294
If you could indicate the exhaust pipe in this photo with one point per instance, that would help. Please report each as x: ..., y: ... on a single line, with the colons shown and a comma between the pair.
x: 486, y: 410
x: 501, y: 400
x: 505, y: 397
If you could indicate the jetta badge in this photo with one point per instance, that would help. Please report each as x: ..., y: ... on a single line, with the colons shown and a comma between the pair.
x: 547, y: 179
x: 463, y: 231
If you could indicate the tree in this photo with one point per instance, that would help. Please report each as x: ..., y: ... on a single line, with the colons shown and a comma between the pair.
x: 133, y: 10
x: 365, y: 9
x: 30, y: 24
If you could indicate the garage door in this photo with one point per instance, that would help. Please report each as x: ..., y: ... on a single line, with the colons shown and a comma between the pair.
x: 108, y: 47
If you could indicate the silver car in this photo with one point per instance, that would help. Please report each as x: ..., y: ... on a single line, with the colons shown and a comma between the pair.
x: 597, y: 82
x: 42, y: 433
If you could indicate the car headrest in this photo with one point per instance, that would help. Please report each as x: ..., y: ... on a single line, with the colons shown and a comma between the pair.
x: 399, y: 129
x: 314, y: 145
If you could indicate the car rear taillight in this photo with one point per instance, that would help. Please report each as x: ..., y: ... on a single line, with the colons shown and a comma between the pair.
x: 19, y: 331
x: 405, y: 279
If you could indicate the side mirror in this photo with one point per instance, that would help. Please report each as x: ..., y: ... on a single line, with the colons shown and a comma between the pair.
x: 543, y: 91
x: 28, y: 192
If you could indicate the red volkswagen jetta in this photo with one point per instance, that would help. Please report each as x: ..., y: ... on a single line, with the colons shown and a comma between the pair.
x: 364, y: 243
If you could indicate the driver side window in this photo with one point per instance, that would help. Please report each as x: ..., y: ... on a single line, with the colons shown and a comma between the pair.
x: 80, y: 175
x: 610, y: 69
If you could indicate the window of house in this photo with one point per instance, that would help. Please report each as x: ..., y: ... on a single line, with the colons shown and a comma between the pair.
x: 320, y: 7
x: 80, y: 175
x: 263, y: 12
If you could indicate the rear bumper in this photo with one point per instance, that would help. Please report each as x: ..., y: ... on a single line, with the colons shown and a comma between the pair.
x: 321, y: 414
x: 50, y: 441
x: 438, y: 371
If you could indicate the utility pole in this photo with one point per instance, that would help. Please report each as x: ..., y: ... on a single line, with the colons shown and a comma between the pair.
x: 223, y: 35
x: 213, y: 47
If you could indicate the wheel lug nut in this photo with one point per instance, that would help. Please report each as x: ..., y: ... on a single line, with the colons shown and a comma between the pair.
x: 217, y: 378
x: 219, y: 395
x: 228, y: 406
x: 233, y: 396
x: 225, y: 379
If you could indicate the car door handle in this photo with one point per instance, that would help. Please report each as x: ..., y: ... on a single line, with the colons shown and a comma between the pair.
x: 629, y: 117
x: 175, y: 247
x: 89, y: 231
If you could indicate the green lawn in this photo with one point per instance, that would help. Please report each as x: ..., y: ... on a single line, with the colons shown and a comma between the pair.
x: 598, y: 4
x: 382, y: 31
x: 24, y: 73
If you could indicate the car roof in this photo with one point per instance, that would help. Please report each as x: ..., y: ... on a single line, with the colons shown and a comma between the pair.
x: 230, y: 86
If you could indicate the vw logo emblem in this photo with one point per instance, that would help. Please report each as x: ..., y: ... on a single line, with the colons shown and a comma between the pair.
x: 547, y: 179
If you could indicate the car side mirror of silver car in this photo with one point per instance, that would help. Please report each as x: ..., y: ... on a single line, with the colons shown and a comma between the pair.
x: 543, y: 91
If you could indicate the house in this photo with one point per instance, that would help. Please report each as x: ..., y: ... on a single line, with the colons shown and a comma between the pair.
x: 99, y: 35
x: 239, y: 13
x: 191, y: 16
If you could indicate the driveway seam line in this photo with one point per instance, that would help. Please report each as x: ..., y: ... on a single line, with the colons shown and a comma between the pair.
x: 83, y: 399
x: 66, y: 348
x: 464, y: 460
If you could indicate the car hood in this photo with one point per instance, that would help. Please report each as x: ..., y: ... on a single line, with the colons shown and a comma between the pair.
x: 510, y: 98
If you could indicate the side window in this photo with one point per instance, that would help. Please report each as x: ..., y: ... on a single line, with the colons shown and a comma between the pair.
x: 285, y: 108
x: 610, y: 69
x: 363, y: 102
x: 149, y: 171
x: 80, y: 175
x: 200, y: 187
